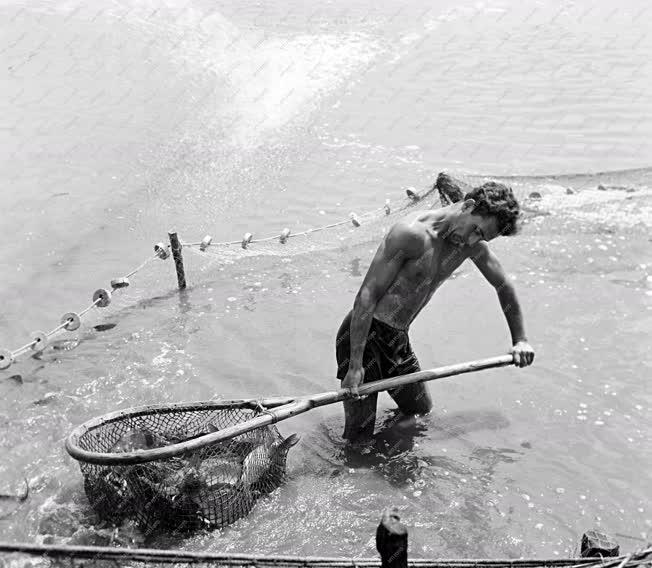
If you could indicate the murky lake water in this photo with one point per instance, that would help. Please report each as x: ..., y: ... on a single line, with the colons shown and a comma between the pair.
x: 121, y: 122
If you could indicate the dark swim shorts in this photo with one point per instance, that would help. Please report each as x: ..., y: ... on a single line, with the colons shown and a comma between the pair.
x: 387, y: 353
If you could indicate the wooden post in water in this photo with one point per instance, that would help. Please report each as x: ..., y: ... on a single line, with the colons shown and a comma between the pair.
x: 175, y: 245
x: 392, y: 540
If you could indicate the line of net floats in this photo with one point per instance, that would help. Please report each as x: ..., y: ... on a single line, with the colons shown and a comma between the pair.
x: 71, y: 321
x: 354, y: 219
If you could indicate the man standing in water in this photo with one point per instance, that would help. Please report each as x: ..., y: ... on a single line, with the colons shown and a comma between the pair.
x: 416, y: 256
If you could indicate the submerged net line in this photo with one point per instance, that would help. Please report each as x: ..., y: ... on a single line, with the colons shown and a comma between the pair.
x: 354, y: 219
x: 71, y: 321
x: 202, y: 485
x: 145, y: 556
x: 380, y: 216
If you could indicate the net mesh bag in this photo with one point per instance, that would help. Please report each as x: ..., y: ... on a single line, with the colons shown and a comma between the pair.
x: 152, y: 465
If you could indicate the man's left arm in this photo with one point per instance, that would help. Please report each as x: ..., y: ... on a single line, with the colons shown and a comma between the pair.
x: 491, y: 269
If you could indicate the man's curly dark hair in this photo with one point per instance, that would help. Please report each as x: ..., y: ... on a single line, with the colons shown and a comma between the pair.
x: 497, y: 200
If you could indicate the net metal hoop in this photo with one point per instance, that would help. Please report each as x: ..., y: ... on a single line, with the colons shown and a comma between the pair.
x: 142, y: 456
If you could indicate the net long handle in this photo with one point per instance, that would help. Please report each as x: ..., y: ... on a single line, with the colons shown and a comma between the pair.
x: 287, y: 409
x: 411, y: 378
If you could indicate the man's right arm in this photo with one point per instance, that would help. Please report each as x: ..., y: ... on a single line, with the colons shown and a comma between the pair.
x: 401, y: 244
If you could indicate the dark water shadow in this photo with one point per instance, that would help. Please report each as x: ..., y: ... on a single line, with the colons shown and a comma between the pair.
x: 16, y: 379
x: 392, y: 450
x: 69, y: 518
x: 453, y: 425
x: 104, y: 326
x: 396, y: 436
x: 57, y: 347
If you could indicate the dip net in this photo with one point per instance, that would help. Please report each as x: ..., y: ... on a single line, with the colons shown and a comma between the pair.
x: 158, y: 466
x: 162, y: 466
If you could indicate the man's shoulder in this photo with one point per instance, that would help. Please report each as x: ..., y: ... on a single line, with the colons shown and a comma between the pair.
x: 407, y: 237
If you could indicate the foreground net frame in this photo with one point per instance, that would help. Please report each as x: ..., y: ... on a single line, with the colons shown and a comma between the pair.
x: 157, y: 465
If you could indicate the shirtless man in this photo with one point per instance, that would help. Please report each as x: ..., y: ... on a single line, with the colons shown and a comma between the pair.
x: 416, y: 256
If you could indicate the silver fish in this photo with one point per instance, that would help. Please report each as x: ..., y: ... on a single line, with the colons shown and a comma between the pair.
x: 264, y: 457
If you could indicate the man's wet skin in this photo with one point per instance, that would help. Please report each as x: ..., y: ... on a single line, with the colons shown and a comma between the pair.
x: 420, y: 252
x: 443, y: 248
x: 416, y: 256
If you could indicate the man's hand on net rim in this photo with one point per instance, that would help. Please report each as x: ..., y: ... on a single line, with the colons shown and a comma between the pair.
x: 523, y: 353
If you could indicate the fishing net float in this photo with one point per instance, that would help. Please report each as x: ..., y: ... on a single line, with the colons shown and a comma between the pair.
x: 71, y: 321
x: 286, y: 233
x: 203, y: 464
x: 450, y: 190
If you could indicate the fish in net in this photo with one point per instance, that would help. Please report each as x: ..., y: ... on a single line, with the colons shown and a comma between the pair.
x: 155, y: 466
